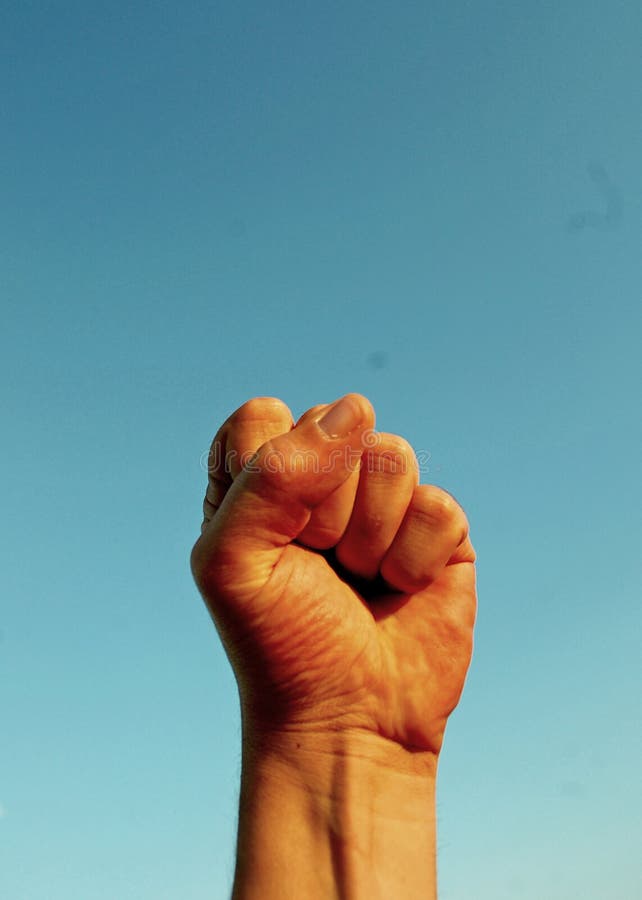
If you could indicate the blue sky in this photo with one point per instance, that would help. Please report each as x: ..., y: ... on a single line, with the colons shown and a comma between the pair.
x: 438, y: 205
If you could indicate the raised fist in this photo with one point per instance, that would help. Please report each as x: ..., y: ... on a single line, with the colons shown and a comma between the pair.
x: 342, y: 589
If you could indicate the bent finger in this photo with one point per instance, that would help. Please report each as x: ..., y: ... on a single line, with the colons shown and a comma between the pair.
x: 388, y: 477
x: 237, y: 440
x: 434, y: 528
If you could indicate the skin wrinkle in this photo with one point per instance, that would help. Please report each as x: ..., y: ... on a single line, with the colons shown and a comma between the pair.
x: 281, y: 594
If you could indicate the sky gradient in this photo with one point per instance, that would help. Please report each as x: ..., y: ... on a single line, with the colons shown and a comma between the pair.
x: 437, y: 205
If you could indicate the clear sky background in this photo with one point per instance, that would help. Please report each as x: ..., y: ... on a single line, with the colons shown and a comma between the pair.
x: 438, y: 205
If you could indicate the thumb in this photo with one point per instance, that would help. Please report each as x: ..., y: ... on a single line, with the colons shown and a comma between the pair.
x: 270, y: 502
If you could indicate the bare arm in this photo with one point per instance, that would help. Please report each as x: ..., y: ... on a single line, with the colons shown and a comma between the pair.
x: 352, y: 819
x: 344, y: 594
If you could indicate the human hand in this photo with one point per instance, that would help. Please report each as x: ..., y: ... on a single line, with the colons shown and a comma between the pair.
x: 343, y: 591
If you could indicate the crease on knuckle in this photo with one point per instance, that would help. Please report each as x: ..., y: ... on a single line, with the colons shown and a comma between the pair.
x: 392, y: 455
x: 440, y: 511
x: 259, y: 409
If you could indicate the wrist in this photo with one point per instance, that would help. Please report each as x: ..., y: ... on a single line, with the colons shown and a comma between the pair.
x: 346, y: 814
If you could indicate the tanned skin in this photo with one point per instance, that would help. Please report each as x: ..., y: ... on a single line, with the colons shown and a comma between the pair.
x: 344, y: 594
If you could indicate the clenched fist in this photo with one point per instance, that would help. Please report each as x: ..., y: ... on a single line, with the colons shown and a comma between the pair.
x: 342, y: 589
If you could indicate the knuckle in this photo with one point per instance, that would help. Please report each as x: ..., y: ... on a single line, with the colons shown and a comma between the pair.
x: 396, y: 443
x: 391, y: 454
x: 261, y: 409
x: 272, y: 462
x: 439, y: 503
x: 443, y: 510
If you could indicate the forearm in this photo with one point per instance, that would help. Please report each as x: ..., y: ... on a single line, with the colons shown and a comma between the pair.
x: 347, y: 816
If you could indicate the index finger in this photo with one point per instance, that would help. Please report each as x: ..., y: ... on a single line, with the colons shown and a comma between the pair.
x: 237, y: 440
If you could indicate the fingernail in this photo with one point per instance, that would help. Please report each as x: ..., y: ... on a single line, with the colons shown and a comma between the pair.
x: 342, y: 417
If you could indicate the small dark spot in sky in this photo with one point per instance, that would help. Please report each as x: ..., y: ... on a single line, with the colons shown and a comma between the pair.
x: 597, y: 172
x: 378, y: 359
x: 238, y: 228
x: 571, y: 789
x: 611, y: 214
